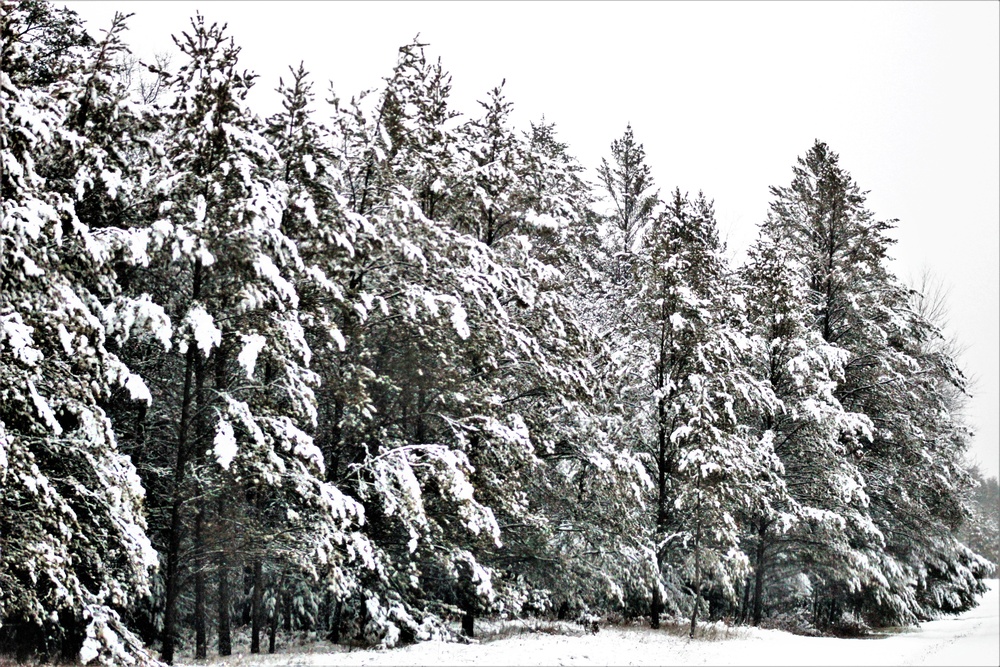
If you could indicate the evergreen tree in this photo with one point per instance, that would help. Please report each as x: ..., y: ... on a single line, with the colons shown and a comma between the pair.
x: 73, y: 549
x: 814, y: 532
x: 629, y: 183
x: 707, y: 462
x: 243, y: 455
x: 913, y: 465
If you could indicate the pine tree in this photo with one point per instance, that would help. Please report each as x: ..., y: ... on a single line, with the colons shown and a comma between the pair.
x: 629, y: 183
x: 74, y: 552
x: 245, y: 402
x: 708, y: 463
x: 913, y: 465
x: 814, y: 532
x: 398, y: 431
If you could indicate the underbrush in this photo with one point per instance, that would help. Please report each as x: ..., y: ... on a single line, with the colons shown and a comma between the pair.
x: 490, y: 630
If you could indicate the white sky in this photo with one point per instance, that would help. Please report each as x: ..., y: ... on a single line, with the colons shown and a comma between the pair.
x: 724, y: 96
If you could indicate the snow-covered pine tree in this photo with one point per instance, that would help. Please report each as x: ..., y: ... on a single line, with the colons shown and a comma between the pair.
x: 73, y: 549
x: 707, y: 462
x: 527, y: 203
x: 316, y: 219
x: 239, y: 390
x: 612, y: 310
x: 813, y: 532
x: 913, y: 466
x: 448, y: 341
x: 629, y: 183
x: 494, y: 156
x: 559, y: 202
x: 395, y: 432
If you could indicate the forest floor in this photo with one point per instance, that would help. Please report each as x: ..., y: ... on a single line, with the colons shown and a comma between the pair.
x: 972, y: 638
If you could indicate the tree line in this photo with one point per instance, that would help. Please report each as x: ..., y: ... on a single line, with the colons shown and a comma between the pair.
x: 380, y: 375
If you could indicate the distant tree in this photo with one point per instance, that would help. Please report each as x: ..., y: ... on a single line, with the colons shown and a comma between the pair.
x: 629, y: 183
x: 981, y: 531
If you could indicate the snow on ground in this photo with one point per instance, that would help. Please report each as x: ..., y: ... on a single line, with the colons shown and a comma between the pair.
x: 972, y: 638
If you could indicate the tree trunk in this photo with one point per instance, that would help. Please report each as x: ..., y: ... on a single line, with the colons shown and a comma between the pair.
x: 697, y: 603
x: 468, y: 601
x: 758, y: 590
x: 225, y: 602
x: 655, y: 608
x: 172, y: 583
x: 656, y: 603
x: 469, y: 620
x: 200, y: 639
x: 661, y: 435
x: 661, y: 466
x: 225, y: 630
x: 272, y: 631
x: 335, y: 627
x: 694, y: 611
x: 255, y: 606
x: 200, y: 432
x: 745, y: 608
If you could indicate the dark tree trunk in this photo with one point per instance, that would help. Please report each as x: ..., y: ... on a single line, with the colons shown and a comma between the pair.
x: 335, y: 626
x: 225, y: 629
x: 656, y: 603
x: 694, y: 610
x: 469, y: 620
x: 272, y: 630
x: 467, y: 600
x: 661, y: 466
x: 758, y: 590
x: 745, y: 609
x: 201, y: 429
x: 172, y: 583
x: 225, y: 593
x: 200, y: 639
x: 255, y: 606
x: 655, y: 608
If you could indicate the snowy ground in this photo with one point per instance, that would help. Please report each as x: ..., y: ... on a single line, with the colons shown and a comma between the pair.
x: 972, y: 638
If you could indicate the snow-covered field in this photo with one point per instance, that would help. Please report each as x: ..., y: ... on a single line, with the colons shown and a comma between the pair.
x: 972, y: 638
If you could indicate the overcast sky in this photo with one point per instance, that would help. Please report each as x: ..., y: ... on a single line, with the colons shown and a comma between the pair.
x: 724, y: 96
